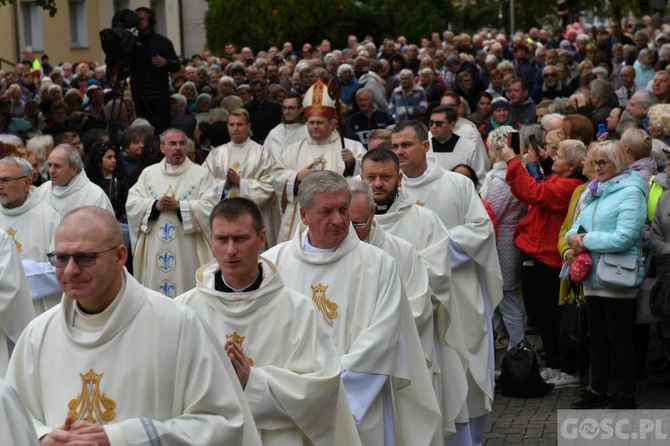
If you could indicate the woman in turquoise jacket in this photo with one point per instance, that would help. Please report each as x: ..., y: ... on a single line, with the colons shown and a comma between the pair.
x: 614, y: 209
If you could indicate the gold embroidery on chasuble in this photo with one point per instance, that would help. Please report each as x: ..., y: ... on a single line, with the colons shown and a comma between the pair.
x: 327, y: 308
x: 90, y: 405
x: 170, y: 192
x: 12, y: 233
x: 236, y: 165
x: 237, y: 339
x: 421, y: 203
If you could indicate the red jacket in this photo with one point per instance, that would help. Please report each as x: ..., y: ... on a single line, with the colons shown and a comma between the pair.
x: 537, y: 233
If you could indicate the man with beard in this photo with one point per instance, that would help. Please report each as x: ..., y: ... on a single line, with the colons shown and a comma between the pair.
x: 168, y: 210
x: 149, y: 79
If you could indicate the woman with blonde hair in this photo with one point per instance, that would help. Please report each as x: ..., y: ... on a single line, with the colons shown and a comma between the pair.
x: 613, y: 213
x: 41, y: 146
x: 509, y: 211
x: 637, y: 145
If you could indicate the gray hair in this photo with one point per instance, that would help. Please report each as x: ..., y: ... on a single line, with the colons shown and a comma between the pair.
x: 406, y: 72
x: 179, y: 98
x: 23, y: 164
x: 39, y: 145
x: 639, y: 142
x: 614, y: 151
x: 646, y: 98
x: 172, y: 130
x: 360, y: 187
x: 344, y: 67
x: 227, y: 80
x: 562, y: 106
x: 8, y: 138
x: 141, y: 122
x: 602, y: 89
x: 217, y: 113
x: 73, y: 157
x: 498, y: 138
x: 323, y: 182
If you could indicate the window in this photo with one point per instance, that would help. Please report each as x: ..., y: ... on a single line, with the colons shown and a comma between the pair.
x: 78, y: 24
x: 31, y: 15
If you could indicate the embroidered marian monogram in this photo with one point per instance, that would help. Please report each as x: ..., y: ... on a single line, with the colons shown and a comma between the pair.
x: 12, y: 233
x: 90, y: 405
x: 327, y: 308
x: 237, y: 339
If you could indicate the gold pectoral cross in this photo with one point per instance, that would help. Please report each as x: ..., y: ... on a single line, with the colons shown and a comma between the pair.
x: 90, y: 405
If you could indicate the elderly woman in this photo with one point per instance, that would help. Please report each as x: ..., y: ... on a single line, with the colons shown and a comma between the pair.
x: 431, y: 86
x: 537, y: 237
x: 501, y: 114
x: 203, y: 103
x: 611, y: 220
x: 408, y: 100
x: 190, y: 92
x: 659, y: 122
x: 637, y: 145
x: 227, y: 86
x: 509, y: 211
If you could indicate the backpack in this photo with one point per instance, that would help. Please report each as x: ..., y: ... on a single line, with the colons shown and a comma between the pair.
x: 520, y: 374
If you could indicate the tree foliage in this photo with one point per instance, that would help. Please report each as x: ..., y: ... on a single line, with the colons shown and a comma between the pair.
x: 48, y: 5
x: 263, y: 23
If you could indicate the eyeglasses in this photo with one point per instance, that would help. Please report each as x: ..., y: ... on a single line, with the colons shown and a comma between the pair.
x: 4, y: 181
x: 600, y: 163
x: 81, y: 259
x: 362, y: 225
x: 289, y: 107
x: 435, y: 123
x: 550, y: 75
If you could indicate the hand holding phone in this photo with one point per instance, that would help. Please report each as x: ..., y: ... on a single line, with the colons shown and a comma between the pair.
x: 602, y: 128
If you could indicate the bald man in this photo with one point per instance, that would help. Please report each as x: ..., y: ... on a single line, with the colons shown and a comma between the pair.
x: 93, y: 369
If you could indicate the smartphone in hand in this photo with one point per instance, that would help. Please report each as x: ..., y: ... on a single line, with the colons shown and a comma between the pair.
x: 514, y: 142
x: 602, y: 128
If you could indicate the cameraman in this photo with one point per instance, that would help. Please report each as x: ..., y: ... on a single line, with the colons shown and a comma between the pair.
x: 149, y: 80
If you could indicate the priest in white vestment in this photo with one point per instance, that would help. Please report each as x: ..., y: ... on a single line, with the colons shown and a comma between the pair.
x: 284, y: 357
x: 32, y: 224
x: 168, y: 214
x: 451, y: 149
x: 244, y: 168
x: 410, y: 265
x: 321, y: 150
x: 424, y: 230
x: 69, y: 187
x: 16, y: 308
x: 16, y: 427
x: 359, y: 293
x: 476, y: 276
x: 291, y: 130
x: 117, y: 363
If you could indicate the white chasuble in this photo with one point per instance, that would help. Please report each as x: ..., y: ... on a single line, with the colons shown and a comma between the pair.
x: 80, y: 192
x: 146, y: 369
x: 16, y: 308
x: 167, y: 251
x: 359, y: 293
x: 33, y: 226
x: 16, y: 427
x: 254, y: 165
x: 453, y: 198
x: 415, y: 280
x: 294, y: 388
x: 283, y: 136
x: 324, y: 156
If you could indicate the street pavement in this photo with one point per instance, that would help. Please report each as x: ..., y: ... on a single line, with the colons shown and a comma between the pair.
x: 516, y: 421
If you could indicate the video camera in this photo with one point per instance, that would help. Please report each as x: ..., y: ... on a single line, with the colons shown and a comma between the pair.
x: 120, y: 44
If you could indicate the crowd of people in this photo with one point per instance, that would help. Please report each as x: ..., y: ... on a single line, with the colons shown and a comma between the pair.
x: 365, y: 203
